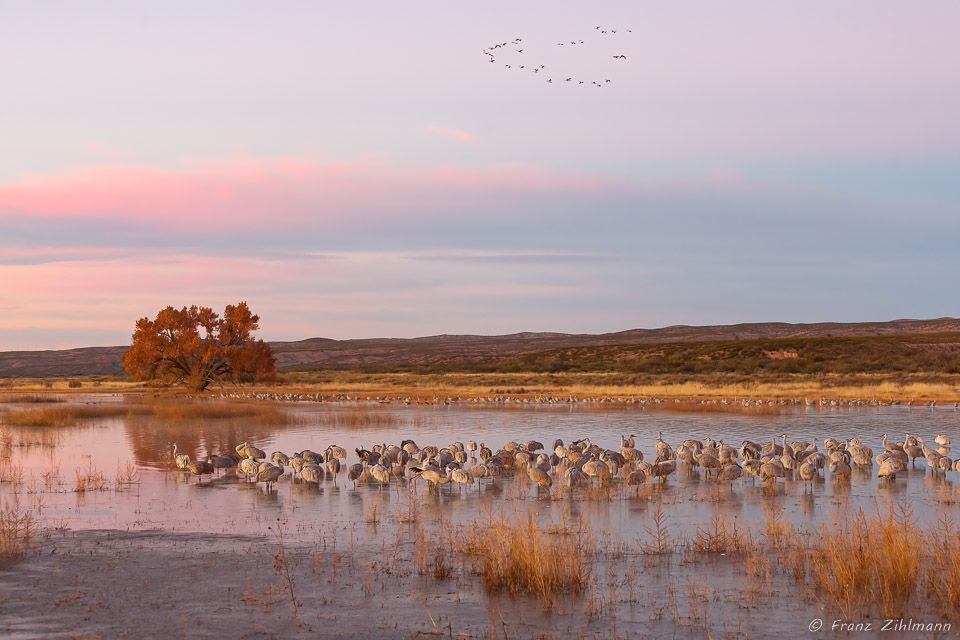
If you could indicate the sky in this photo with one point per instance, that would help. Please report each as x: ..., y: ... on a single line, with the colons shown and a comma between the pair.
x: 363, y: 170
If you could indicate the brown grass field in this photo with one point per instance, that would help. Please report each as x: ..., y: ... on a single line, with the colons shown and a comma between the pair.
x: 923, y: 388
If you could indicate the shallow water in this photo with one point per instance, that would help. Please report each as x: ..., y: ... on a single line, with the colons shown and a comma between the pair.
x: 337, y: 516
x: 175, y: 500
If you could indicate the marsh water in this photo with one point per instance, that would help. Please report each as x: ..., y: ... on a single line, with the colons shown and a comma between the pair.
x: 363, y: 521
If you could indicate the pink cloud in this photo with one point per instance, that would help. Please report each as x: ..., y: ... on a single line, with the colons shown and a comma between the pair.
x: 463, y: 136
x: 281, y: 191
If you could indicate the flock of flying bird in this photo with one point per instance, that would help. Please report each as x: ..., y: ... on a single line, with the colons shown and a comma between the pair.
x: 578, y: 463
x: 517, y: 46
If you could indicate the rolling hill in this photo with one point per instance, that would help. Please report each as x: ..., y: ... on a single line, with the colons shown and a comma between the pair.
x: 453, y: 352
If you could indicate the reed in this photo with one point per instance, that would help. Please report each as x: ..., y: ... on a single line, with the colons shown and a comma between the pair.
x: 64, y: 416
x: 92, y: 479
x: 128, y: 473
x: 869, y: 561
x: 362, y: 418
x: 17, y: 528
x: 520, y: 556
x: 943, y: 573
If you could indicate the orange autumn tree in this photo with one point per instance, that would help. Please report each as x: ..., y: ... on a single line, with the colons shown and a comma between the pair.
x: 196, y: 347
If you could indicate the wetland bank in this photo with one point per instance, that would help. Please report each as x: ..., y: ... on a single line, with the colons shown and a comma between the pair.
x: 123, y: 544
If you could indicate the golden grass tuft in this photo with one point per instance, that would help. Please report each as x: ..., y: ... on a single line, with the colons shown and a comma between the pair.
x: 520, y: 556
x: 943, y: 573
x: 868, y: 560
x: 128, y: 473
x: 29, y: 399
x: 361, y: 418
x: 17, y: 527
x: 63, y: 416
x: 93, y: 479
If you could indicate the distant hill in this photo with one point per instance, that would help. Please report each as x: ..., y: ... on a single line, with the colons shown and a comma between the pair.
x: 468, y: 351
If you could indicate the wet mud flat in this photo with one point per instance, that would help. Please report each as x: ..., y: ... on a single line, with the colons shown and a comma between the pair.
x: 159, y: 584
x: 162, y: 584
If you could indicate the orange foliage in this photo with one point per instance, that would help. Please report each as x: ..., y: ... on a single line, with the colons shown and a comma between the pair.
x: 196, y: 347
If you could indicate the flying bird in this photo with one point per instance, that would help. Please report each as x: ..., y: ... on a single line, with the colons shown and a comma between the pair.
x: 621, y: 56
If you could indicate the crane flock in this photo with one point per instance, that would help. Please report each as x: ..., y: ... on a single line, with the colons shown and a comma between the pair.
x: 579, y: 464
x: 515, y: 48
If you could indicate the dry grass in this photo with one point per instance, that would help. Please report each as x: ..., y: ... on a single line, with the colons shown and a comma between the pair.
x: 63, y: 416
x: 410, y: 504
x: 28, y: 399
x: 519, y: 556
x: 943, y: 568
x: 659, y: 532
x: 11, y: 472
x: 91, y: 479
x: 723, y: 536
x: 17, y: 528
x: 586, y: 385
x: 128, y: 473
x: 869, y: 560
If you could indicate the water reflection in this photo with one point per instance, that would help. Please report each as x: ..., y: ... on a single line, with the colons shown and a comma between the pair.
x: 171, y: 499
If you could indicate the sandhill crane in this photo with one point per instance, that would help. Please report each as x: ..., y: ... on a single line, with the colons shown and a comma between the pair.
x: 926, y: 450
x: 311, y: 473
x: 354, y: 473
x: 333, y: 466
x: 707, y: 461
x: 571, y: 477
x: 249, y: 451
x: 433, y: 476
x: 594, y: 469
x: 460, y: 477
x: 890, y: 467
x: 942, y: 440
x: 772, y: 470
x: 752, y: 467
x: 280, y: 459
x: 636, y: 478
x: 912, y: 450
x: 181, y: 459
x: 808, y: 473
x: 542, y: 479
x: 729, y: 473
x: 269, y: 474
x: 664, y: 468
x: 478, y: 471
x: 248, y: 467
x: 840, y: 470
x: 380, y: 474
x: 945, y: 463
x: 200, y: 468
x: 219, y: 462
x: 891, y: 446
x: 311, y: 456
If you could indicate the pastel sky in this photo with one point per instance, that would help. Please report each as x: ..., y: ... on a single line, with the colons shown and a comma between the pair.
x: 362, y: 169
